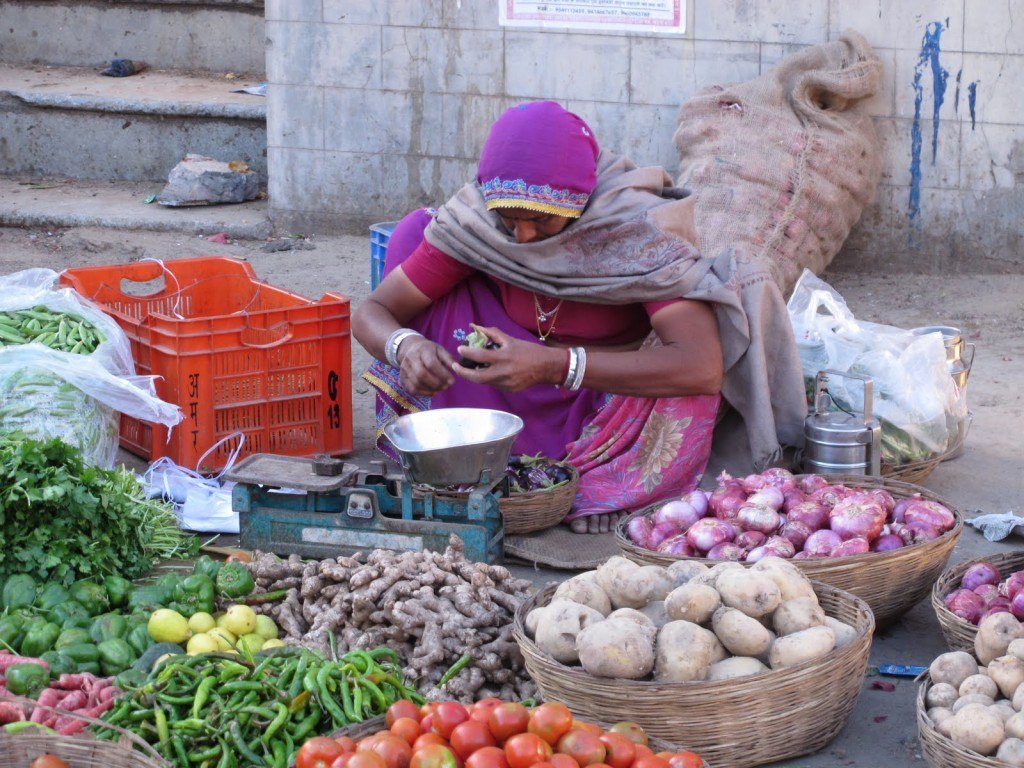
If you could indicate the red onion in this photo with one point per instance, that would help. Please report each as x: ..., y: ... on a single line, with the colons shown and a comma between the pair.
x: 752, y: 483
x: 679, y: 513
x: 884, y: 498
x: 1002, y: 608
x: 747, y: 540
x: 661, y: 532
x: 697, y: 499
x: 998, y: 604
x: 829, y: 495
x: 965, y: 604
x: 857, y: 515
x: 779, y: 477
x: 903, y: 532
x: 639, y: 530
x: 725, y: 502
x: 796, y: 532
x: 929, y: 513
x: 804, y: 555
x: 887, y: 542
x: 757, y: 553
x: 791, y: 497
x: 810, y: 513
x: 753, y: 517
x: 780, y: 547
x: 980, y: 573
x: 987, y: 592
x: 707, y: 532
x: 821, y: 543
x: 923, y: 532
x: 810, y: 483
x: 1012, y: 585
x: 857, y: 545
x: 896, y: 515
x: 769, y: 496
x: 676, y: 545
x: 725, y: 551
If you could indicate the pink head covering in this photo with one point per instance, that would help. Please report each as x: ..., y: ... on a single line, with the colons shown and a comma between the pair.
x: 539, y: 157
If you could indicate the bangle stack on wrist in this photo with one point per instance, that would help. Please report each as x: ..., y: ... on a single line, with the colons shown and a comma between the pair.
x: 394, y: 340
x: 576, y: 370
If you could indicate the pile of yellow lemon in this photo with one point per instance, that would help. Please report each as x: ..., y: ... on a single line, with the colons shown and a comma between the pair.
x: 239, y: 629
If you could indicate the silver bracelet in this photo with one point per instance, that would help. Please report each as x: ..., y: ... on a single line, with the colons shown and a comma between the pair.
x: 393, y: 342
x: 574, y: 362
x: 581, y: 368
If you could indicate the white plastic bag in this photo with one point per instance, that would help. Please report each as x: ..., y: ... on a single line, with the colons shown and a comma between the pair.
x: 915, y: 398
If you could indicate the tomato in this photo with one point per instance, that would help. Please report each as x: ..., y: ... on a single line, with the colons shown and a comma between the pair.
x: 650, y: 761
x: 428, y: 738
x: 525, y: 749
x: 686, y: 760
x: 551, y: 721
x: 560, y: 760
x: 642, y: 750
x: 433, y: 756
x: 401, y: 708
x: 481, y: 709
x: 365, y: 760
x: 428, y: 708
x: 470, y: 736
x: 583, y: 725
x: 395, y: 750
x: 427, y: 723
x: 621, y: 752
x: 487, y: 757
x: 508, y: 719
x: 406, y: 728
x: 48, y: 761
x: 447, y: 715
x: 347, y: 743
x: 342, y: 760
x: 583, y: 746
x: 631, y: 729
x: 366, y: 743
x: 318, y: 752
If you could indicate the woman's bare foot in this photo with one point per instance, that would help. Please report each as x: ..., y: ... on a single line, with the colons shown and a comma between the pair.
x: 596, y: 523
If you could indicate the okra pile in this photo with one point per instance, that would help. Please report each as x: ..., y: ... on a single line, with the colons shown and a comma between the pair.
x: 61, y: 331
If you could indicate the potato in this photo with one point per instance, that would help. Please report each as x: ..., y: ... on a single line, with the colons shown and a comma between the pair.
x: 1011, y: 752
x: 982, y: 684
x: 791, y: 580
x: 684, y: 651
x: 735, y: 666
x: 801, y: 646
x: 1015, y: 726
x: 637, y: 587
x: 1008, y: 673
x: 845, y: 634
x: 978, y: 728
x: 1018, y: 698
x: 619, y: 648
x: 943, y: 726
x: 1004, y: 709
x: 938, y: 714
x: 585, y: 590
x: 693, y: 602
x: 797, y: 613
x: 941, y: 695
x: 995, y: 633
x: 710, y: 577
x: 613, y: 570
x: 656, y: 612
x: 755, y: 593
x: 973, y: 698
x: 953, y: 667
x: 681, y: 571
x: 1016, y: 648
x: 632, y: 614
x: 560, y: 624
x: 740, y: 634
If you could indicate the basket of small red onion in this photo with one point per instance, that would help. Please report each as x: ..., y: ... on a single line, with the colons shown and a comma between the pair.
x: 967, y: 592
x: 884, y: 540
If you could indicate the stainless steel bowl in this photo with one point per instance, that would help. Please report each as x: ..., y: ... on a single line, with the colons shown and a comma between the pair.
x: 453, y: 446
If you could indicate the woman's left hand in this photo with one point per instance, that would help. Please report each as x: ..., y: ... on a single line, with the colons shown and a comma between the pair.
x: 512, y: 365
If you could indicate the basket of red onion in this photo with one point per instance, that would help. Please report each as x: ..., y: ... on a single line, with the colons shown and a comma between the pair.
x: 884, y: 540
x: 969, y: 591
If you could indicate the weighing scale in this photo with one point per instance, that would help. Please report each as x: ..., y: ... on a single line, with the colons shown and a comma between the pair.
x: 325, y: 507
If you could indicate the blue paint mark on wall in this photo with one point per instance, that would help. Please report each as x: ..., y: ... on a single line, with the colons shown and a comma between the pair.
x: 927, y: 60
x: 972, y: 98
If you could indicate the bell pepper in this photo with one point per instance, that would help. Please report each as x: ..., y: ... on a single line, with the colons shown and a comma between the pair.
x: 207, y: 566
x: 115, y: 656
x: 27, y: 679
x: 139, y: 639
x: 131, y: 679
x: 118, y: 590
x: 71, y: 636
x: 52, y: 595
x: 71, y: 614
x: 234, y: 580
x: 168, y: 582
x: 91, y: 595
x: 19, y: 592
x: 82, y: 653
x: 147, y: 598
x: 40, y: 638
x: 107, y: 626
x: 10, y: 631
x: 60, y: 664
x: 196, y: 594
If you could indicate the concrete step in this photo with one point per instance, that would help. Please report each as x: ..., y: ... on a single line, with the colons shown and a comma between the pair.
x: 224, y: 36
x: 76, y: 123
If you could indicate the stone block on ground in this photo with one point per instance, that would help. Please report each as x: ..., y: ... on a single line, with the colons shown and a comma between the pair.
x: 200, y: 180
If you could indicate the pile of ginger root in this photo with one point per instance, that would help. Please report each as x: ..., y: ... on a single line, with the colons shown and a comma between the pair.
x: 430, y: 607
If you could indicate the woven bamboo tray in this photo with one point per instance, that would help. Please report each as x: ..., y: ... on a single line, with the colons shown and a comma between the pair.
x: 18, y: 750
x: 891, y: 583
x: 785, y: 712
x: 940, y: 751
x: 959, y: 634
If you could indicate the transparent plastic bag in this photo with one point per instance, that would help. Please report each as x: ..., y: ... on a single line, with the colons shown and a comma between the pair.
x: 915, y: 399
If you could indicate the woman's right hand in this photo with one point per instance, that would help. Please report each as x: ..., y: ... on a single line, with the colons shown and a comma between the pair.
x: 425, y: 368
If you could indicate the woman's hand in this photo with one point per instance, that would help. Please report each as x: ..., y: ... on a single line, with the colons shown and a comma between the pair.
x: 512, y: 365
x: 424, y: 367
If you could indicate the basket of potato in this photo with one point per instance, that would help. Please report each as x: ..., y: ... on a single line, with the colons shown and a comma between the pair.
x: 688, y: 650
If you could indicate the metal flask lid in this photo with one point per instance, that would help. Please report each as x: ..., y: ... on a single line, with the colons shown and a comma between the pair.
x: 832, y: 437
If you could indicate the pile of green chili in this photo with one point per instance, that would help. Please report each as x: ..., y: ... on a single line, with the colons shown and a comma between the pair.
x: 217, y: 710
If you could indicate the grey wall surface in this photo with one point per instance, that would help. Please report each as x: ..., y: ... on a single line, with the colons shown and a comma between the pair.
x: 378, y: 107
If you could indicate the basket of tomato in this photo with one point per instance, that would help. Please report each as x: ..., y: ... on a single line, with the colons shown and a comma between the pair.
x: 489, y: 734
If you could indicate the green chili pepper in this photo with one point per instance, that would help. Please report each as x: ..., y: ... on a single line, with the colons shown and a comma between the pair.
x: 455, y: 668
x: 277, y: 723
x: 179, y: 750
x: 202, y: 694
x: 235, y: 731
x: 162, y: 731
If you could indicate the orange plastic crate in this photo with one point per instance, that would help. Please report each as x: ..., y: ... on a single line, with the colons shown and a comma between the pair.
x: 236, y: 354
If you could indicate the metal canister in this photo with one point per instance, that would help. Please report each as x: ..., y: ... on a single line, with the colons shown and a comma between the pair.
x: 838, y: 442
x: 958, y: 365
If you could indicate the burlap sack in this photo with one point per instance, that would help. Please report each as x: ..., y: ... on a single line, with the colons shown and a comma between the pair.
x: 782, y: 166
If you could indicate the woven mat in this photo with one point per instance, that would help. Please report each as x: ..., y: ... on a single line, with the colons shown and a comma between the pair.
x: 558, y: 547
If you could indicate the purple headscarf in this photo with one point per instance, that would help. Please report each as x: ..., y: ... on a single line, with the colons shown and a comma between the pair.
x: 539, y: 157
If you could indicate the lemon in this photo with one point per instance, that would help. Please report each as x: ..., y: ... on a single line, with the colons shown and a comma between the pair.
x: 167, y: 626
x: 201, y: 622
x: 240, y: 620
x: 225, y: 640
x: 265, y: 627
x: 220, y: 617
x: 202, y: 643
x: 249, y: 644
x: 272, y: 643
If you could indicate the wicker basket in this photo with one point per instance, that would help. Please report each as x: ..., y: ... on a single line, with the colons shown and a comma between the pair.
x: 918, y: 471
x: 891, y: 583
x: 959, y: 634
x: 18, y: 750
x: 940, y: 751
x: 786, y: 712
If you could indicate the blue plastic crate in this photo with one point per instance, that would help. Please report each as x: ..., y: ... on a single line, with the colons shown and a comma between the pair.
x: 380, y: 233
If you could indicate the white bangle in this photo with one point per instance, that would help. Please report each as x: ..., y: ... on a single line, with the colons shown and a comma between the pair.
x: 393, y: 342
x: 580, y: 369
x: 570, y: 372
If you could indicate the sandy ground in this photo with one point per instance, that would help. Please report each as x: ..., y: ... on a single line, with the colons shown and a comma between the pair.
x: 988, y: 477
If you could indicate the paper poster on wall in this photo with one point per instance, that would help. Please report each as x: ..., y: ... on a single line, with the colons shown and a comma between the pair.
x: 623, y: 15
